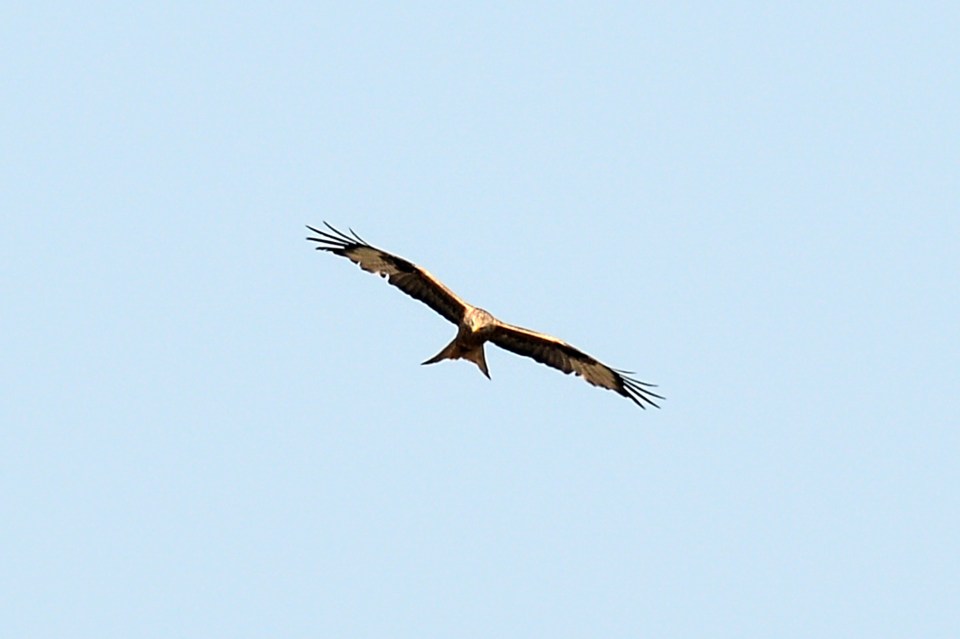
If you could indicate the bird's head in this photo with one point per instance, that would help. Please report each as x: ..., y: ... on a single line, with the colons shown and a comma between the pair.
x: 478, y: 319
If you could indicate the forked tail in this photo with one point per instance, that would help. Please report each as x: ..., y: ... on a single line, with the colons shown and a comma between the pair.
x: 454, y: 350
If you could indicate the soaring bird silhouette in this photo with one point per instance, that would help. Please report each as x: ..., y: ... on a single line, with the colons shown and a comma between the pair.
x: 476, y: 326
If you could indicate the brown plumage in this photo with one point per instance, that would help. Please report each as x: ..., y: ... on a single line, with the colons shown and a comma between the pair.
x: 476, y: 326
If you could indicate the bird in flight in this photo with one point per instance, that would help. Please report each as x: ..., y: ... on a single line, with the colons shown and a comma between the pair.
x: 476, y: 326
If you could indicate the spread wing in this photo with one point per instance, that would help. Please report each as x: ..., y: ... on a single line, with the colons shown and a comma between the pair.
x: 408, y: 277
x: 560, y: 355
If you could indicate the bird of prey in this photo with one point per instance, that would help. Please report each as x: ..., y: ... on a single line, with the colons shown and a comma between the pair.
x: 476, y: 326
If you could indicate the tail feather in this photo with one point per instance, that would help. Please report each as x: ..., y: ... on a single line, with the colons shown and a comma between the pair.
x: 450, y: 351
x: 454, y: 350
x: 477, y: 357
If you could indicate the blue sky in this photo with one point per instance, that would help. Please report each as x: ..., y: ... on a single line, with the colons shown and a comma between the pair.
x: 210, y: 429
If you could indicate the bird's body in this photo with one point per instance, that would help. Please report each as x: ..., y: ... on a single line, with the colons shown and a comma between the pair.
x: 475, y: 326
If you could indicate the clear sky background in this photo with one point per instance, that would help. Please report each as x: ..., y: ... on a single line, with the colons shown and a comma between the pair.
x: 211, y: 430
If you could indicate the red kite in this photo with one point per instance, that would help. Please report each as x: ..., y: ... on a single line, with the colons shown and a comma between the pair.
x: 476, y: 326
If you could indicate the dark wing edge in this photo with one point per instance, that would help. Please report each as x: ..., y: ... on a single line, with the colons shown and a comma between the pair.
x: 416, y: 282
x: 557, y: 354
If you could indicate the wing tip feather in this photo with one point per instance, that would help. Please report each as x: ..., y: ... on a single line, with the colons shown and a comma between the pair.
x: 638, y: 391
x: 335, y: 240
